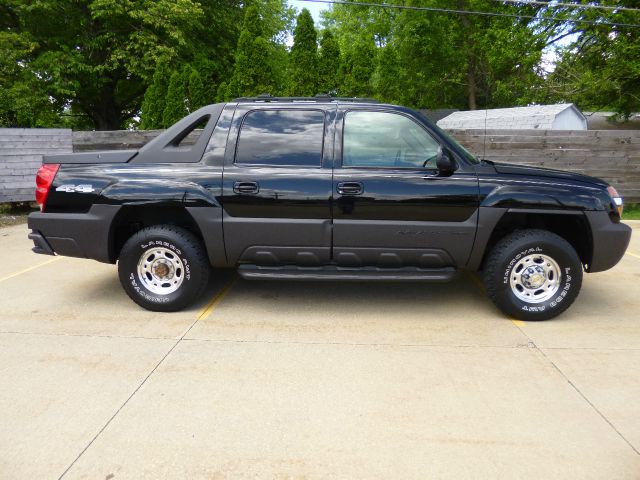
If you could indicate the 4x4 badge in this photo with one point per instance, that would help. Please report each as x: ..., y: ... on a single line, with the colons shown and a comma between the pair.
x: 75, y: 188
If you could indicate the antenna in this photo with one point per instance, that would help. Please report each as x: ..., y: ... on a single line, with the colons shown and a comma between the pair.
x: 484, y: 143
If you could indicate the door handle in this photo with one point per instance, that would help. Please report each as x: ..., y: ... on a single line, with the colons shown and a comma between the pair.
x: 246, y: 188
x: 350, y: 188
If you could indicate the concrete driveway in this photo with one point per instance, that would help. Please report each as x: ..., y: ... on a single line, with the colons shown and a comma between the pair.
x: 312, y: 380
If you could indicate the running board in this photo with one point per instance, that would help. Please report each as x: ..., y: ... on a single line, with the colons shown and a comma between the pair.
x: 332, y: 272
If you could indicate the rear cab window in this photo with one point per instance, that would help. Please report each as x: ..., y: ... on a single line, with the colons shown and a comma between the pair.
x: 281, y: 137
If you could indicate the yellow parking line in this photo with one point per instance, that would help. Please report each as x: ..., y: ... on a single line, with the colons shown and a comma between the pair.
x: 478, y: 283
x: 20, y: 272
x: 633, y: 254
x: 209, y: 307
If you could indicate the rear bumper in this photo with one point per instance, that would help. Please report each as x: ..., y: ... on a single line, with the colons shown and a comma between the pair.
x: 610, y: 241
x: 40, y: 244
x: 83, y: 235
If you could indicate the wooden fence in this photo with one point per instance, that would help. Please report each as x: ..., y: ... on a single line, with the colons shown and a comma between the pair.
x: 21, y: 151
x: 613, y: 155
x: 116, y: 140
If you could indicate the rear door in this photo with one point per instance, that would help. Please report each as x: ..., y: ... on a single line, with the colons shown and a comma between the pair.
x: 392, y: 208
x: 277, y: 184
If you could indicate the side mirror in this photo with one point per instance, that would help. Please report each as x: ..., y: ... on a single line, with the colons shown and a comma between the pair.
x: 444, y: 162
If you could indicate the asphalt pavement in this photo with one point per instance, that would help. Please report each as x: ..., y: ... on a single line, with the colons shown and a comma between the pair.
x: 312, y: 380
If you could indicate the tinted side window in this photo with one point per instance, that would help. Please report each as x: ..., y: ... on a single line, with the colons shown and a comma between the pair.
x: 281, y: 137
x: 385, y: 139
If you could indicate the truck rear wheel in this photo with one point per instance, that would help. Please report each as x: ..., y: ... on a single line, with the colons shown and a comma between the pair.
x: 533, y: 275
x: 163, y: 268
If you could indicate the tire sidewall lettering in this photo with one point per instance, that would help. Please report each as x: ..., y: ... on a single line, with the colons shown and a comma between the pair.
x: 144, y: 293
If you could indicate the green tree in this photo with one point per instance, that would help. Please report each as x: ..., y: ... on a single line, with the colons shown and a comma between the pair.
x: 600, y: 70
x: 329, y: 63
x: 448, y: 59
x: 277, y: 18
x: 23, y: 101
x: 221, y: 93
x: 303, y: 59
x: 385, y: 80
x: 97, y: 57
x: 356, y: 69
x: 198, y: 95
x: 433, y: 66
x: 253, y: 72
x: 175, y: 107
x: 185, y: 73
x: 154, y: 103
x: 359, y: 31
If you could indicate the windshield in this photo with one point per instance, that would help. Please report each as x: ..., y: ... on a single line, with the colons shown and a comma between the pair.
x: 467, y: 154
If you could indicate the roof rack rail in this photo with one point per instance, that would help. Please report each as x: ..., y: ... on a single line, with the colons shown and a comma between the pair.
x: 320, y: 98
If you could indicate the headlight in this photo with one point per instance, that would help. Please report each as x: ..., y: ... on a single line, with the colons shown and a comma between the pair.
x: 617, y: 199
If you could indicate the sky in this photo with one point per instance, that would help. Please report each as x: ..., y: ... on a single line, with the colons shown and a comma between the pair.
x: 313, y: 7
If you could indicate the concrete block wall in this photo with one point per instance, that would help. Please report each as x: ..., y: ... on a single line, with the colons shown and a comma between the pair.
x: 21, y: 151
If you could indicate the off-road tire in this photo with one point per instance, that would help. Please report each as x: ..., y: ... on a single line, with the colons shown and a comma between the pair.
x: 500, y: 267
x: 189, y: 253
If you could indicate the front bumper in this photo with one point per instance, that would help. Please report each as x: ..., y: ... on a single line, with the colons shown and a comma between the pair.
x: 83, y: 235
x: 610, y: 241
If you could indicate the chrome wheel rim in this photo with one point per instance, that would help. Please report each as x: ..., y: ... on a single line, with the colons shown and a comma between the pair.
x: 535, y: 278
x: 160, y: 270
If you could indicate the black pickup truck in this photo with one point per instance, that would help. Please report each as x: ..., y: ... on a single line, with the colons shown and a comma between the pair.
x: 325, y: 189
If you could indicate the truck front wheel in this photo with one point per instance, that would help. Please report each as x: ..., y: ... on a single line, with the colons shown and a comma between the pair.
x: 533, y: 274
x: 163, y: 268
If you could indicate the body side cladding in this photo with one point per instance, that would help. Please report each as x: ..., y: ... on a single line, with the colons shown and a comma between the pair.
x: 488, y: 218
x: 456, y: 238
x: 209, y: 221
x: 280, y: 232
x: 545, y: 211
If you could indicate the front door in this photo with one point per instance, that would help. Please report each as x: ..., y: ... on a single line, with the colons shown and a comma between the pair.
x: 277, y: 185
x: 392, y: 208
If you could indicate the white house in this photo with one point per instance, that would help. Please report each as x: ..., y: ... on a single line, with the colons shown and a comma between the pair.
x: 564, y: 116
x: 611, y: 121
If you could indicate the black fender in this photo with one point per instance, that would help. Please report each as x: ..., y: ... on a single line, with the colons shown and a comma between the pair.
x: 488, y: 218
x: 558, y: 199
x: 544, y: 197
x: 158, y: 192
x: 200, y: 204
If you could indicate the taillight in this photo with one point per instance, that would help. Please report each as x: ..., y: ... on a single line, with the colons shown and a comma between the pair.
x: 617, y: 199
x: 44, y: 179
